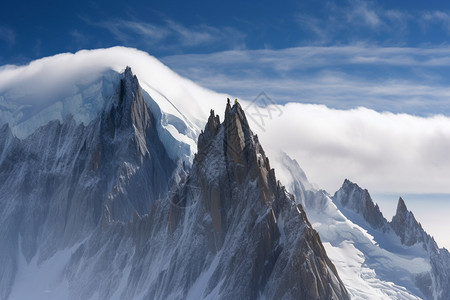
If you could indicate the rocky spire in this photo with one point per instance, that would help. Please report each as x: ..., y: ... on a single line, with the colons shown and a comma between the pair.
x: 352, y: 197
x: 237, y: 131
x: 211, y: 128
x: 406, y: 226
x: 233, y: 197
x: 129, y: 111
x: 401, y: 207
x: 129, y: 145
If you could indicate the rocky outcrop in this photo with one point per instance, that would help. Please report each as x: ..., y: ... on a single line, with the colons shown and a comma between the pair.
x: 407, y: 228
x: 354, y: 198
x: 272, y: 250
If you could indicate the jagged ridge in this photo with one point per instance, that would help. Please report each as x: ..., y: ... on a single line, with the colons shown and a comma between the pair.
x: 433, y: 284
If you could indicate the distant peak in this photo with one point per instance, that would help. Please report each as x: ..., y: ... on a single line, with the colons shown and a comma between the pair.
x: 350, y: 185
x: 401, y: 206
x: 130, y: 78
x: 353, y: 197
x: 128, y: 71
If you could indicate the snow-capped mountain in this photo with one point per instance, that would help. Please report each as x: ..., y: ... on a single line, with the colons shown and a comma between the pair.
x: 116, y: 186
x: 58, y: 182
x: 375, y: 258
x: 101, y: 210
x: 407, y: 237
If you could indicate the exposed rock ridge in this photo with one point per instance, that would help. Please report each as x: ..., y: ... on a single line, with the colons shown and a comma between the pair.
x: 251, y: 216
x: 352, y: 197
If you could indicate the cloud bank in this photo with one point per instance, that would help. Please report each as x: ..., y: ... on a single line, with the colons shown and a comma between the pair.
x: 383, y: 151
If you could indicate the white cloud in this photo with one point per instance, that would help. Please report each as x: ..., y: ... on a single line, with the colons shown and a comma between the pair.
x: 361, y: 20
x: 383, y: 152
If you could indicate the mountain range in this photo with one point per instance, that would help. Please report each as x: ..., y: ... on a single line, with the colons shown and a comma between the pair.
x: 122, y: 186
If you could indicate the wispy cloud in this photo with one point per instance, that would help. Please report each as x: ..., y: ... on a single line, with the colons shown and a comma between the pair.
x: 441, y: 18
x: 354, y: 21
x: 363, y: 12
x: 412, y: 80
x: 170, y: 34
x: 7, y: 35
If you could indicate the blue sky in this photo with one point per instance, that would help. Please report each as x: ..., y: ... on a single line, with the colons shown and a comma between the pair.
x: 30, y: 29
x: 385, y: 55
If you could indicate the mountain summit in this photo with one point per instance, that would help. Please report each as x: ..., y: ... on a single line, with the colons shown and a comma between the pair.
x: 265, y: 244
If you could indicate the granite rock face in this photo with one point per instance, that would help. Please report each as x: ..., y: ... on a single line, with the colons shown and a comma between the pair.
x: 354, y: 198
x: 271, y: 248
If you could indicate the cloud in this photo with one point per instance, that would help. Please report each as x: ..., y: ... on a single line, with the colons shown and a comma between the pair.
x: 7, y: 35
x: 354, y: 21
x: 412, y: 80
x: 363, y: 12
x: 121, y: 30
x: 440, y: 18
x: 350, y: 21
x: 204, y: 34
x: 170, y: 34
x: 383, y: 152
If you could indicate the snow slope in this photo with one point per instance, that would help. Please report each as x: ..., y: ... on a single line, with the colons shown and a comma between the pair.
x: 375, y: 258
x: 80, y: 84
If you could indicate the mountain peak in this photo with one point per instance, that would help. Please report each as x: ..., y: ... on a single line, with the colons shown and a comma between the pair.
x: 401, y: 207
x: 237, y: 131
x: 211, y: 128
x: 408, y: 228
x: 128, y: 71
x: 233, y: 197
x: 358, y: 200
